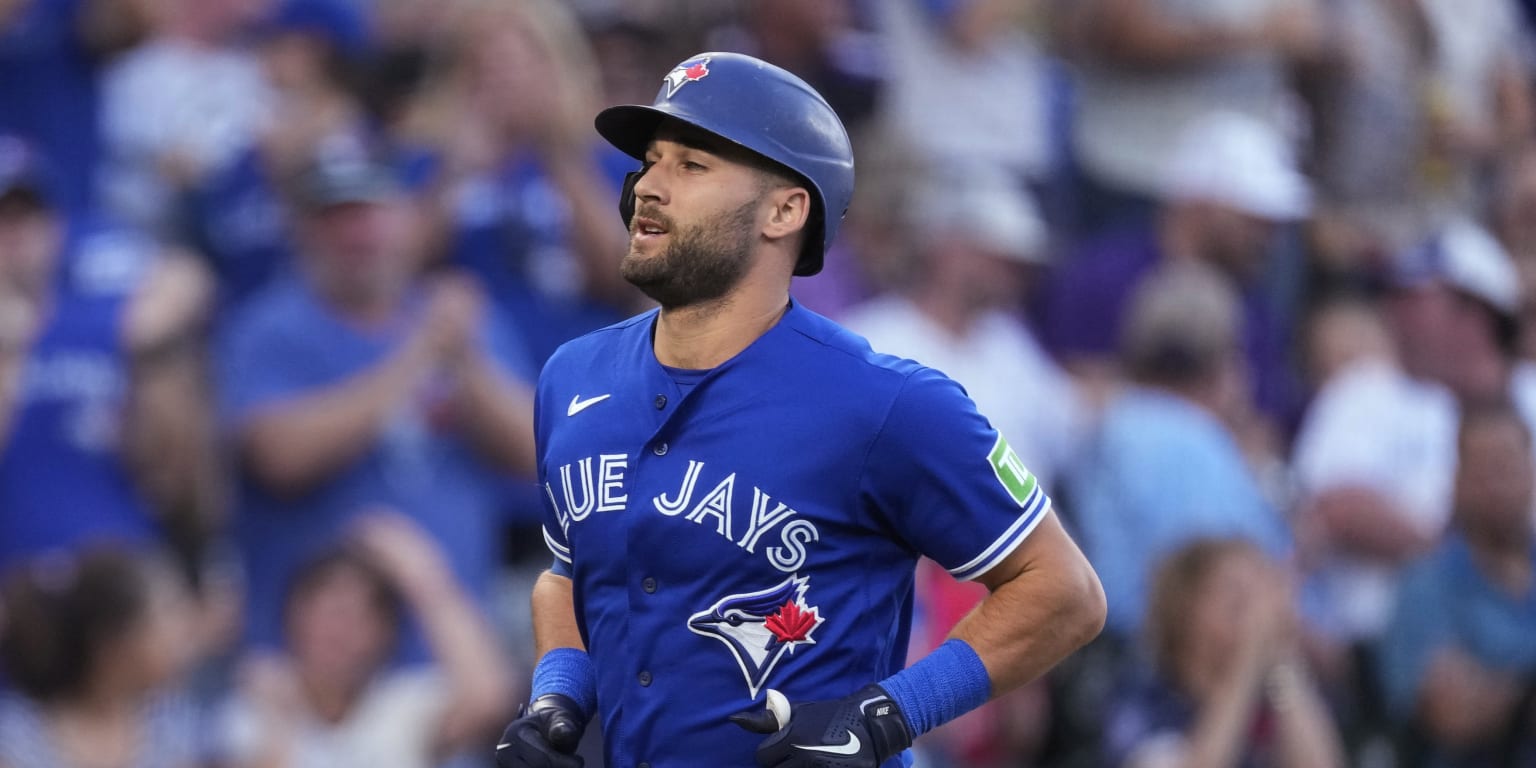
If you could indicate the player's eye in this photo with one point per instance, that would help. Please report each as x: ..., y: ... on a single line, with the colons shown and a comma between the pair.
x: 689, y: 165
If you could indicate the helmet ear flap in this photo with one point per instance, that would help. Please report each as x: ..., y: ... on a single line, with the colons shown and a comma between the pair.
x: 627, y: 195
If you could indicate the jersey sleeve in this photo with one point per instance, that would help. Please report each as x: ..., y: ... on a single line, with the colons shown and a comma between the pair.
x: 554, y: 528
x: 947, y: 482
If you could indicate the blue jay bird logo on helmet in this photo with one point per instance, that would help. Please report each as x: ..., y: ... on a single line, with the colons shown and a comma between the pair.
x: 690, y: 71
x: 760, y: 627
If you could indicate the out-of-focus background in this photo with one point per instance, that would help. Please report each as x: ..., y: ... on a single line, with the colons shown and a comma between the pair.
x: 1250, y: 284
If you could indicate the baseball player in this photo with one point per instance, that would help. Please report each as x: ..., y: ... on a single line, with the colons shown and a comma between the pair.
x: 739, y: 489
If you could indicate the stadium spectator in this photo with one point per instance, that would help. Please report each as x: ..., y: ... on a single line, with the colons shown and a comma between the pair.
x: 1148, y: 70
x: 1376, y: 454
x: 180, y: 105
x: 1478, y: 102
x: 1458, y: 664
x: 524, y: 198
x: 1163, y: 467
x: 1513, y: 222
x: 51, y: 59
x: 331, y: 698
x: 1375, y: 458
x: 361, y: 383
x: 1229, y: 687
x: 969, y: 86
x: 1225, y: 190
x: 105, y: 421
x: 238, y: 215
x: 825, y: 42
x: 975, y: 244
x: 94, y: 649
x: 1371, y: 132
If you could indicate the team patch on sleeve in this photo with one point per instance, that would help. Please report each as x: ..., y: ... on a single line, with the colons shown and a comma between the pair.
x: 1026, y: 492
x: 1011, y: 472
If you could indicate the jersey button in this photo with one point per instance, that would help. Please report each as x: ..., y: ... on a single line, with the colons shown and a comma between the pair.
x: 645, y: 678
x: 649, y: 585
x: 660, y: 449
x: 661, y: 402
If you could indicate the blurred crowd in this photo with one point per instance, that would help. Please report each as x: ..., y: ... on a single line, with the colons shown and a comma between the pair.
x: 1250, y: 284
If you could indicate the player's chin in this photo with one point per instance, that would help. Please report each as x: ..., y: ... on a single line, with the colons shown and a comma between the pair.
x: 643, y: 268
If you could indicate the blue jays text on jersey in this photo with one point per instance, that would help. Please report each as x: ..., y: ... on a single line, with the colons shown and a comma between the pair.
x: 758, y: 524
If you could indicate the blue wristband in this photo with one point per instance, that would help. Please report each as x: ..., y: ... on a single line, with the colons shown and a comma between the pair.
x: 567, y: 671
x: 940, y: 687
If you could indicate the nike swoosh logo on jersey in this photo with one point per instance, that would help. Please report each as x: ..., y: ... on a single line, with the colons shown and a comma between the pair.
x: 849, y: 747
x: 578, y: 405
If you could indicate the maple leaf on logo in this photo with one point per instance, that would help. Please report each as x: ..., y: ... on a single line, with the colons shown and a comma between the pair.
x: 696, y: 71
x: 792, y: 624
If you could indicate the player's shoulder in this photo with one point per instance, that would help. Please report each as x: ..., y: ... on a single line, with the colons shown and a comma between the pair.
x: 609, y: 348
x: 832, y: 351
x: 624, y: 333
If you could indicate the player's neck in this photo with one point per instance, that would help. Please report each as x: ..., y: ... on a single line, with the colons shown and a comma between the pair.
x: 702, y: 336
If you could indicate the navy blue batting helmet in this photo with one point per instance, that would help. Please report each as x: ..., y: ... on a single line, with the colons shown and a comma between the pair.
x: 762, y: 108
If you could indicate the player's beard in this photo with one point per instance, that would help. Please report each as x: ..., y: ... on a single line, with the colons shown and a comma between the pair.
x: 699, y: 264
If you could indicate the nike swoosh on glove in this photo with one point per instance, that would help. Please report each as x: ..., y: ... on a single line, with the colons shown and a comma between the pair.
x: 859, y: 731
x: 545, y: 735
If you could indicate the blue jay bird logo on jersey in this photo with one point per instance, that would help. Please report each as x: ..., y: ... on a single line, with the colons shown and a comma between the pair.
x: 760, y: 627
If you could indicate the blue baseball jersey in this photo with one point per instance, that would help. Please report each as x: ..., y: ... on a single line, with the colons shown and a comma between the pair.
x: 64, y: 481
x: 758, y: 525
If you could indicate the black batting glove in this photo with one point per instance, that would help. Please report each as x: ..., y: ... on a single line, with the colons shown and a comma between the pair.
x: 544, y: 735
x: 860, y: 731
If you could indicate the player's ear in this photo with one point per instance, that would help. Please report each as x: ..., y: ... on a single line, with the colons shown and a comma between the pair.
x: 789, y: 211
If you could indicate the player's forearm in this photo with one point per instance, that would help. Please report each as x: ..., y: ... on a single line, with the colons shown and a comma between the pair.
x: 292, y: 446
x: 1046, y: 602
x: 554, y: 614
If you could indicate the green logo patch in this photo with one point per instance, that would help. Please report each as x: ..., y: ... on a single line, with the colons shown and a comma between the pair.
x: 1011, y: 472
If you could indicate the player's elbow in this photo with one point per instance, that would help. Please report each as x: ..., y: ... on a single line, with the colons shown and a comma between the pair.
x: 1085, y: 605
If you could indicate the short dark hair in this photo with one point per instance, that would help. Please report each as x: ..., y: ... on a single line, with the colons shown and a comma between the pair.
x: 61, y: 612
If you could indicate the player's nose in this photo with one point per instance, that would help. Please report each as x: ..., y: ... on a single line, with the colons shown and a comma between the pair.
x: 650, y: 186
